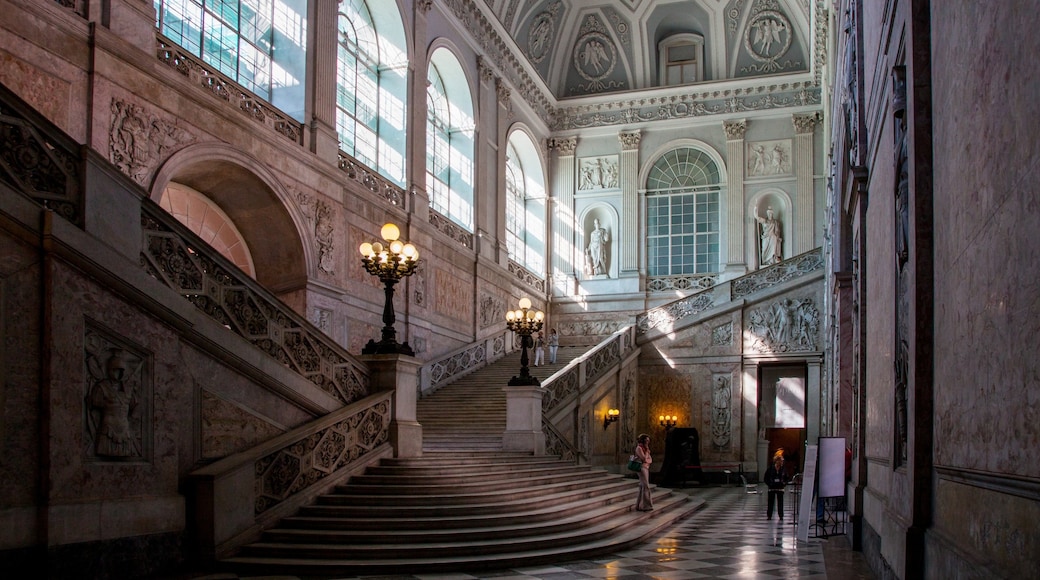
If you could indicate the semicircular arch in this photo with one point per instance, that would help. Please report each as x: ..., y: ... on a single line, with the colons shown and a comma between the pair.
x: 259, y: 206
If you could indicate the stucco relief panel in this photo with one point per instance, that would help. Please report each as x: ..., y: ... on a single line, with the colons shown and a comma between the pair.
x: 227, y: 428
x: 453, y: 296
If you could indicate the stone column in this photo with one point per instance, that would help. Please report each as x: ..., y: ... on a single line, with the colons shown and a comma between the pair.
x: 628, y: 173
x: 503, y: 111
x: 419, y: 198
x: 812, y: 401
x: 736, y: 263
x: 753, y: 447
x: 486, y: 163
x: 804, y: 126
x: 401, y: 374
x: 321, y: 136
x: 564, y: 254
x: 524, y: 420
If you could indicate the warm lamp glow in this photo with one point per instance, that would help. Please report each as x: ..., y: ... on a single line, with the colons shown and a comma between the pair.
x: 396, y: 246
x: 366, y: 249
x: 524, y: 322
x: 390, y: 232
x: 525, y: 303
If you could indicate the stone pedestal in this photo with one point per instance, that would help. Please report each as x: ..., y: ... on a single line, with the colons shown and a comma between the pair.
x: 524, y: 419
x: 399, y: 373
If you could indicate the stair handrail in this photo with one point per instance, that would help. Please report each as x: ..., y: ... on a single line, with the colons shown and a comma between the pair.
x: 462, y: 361
x: 563, y: 389
x: 705, y: 298
x: 238, y: 496
x: 177, y: 257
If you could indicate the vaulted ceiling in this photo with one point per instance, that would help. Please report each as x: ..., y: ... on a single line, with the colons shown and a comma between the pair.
x: 587, y: 47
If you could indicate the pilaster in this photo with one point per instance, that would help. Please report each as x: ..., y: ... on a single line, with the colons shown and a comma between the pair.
x: 734, y: 202
x: 488, y: 166
x: 564, y: 254
x: 629, y: 176
x: 321, y: 126
x: 419, y: 198
x: 804, y: 128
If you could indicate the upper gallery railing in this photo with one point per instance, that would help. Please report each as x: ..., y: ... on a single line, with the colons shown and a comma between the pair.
x: 461, y: 362
x: 706, y: 298
x: 174, y: 255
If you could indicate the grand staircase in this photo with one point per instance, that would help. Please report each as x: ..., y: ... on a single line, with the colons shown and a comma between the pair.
x: 465, y: 505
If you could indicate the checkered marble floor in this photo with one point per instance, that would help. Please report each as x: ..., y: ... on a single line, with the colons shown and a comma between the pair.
x: 729, y: 538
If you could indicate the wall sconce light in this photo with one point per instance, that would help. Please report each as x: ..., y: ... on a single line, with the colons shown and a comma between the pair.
x: 668, y: 421
x: 611, y: 416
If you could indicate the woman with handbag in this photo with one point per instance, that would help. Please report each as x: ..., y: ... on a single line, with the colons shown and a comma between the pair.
x: 644, y: 503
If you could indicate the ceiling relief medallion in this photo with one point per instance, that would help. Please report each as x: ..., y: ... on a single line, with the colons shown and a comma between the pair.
x: 767, y: 38
x: 541, y: 36
x: 595, y: 57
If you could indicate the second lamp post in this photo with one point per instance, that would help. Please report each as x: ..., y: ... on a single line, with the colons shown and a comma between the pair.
x: 524, y: 322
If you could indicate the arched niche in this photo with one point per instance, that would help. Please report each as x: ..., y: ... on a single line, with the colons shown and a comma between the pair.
x: 779, y: 201
x: 608, y: 220
x: 252, y: 199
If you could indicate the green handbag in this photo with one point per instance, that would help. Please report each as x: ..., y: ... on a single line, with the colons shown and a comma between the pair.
x: 634, y: 464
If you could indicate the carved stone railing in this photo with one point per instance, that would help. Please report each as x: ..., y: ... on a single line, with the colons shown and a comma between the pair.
x: 39, y: 160
x: 246, y: 492
x: 527, y: 277
x: 461, y: 362
x: 557, y: 444
x: 222, y: 87
x: 562, y: 391
x: 451, y: 229
x: 786, y: 270
x: 175, y: 256
x: 706, y: 298
x: 371, y: 180
x: 682, y: 283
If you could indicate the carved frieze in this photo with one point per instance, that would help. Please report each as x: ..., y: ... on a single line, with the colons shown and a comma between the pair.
x: 722, y: 335
x: 787, y: 325
x: 769, y: 158
x: 689, y: 283
x: 491, y: 310
x: 117, y: 398
x: 320, y: 214
x: 674, y: 311
x: 526, y: 276
x: 598, y: 173
x: 590, y: 327
x: 139, y: 141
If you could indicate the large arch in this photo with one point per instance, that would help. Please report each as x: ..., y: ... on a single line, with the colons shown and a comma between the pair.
x: 261, y: 209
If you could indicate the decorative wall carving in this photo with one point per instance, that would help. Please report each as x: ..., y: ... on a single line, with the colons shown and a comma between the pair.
x: 418, y: 285
x: 722, y: 335
x: 901, y: 264
x: 590, y: 327
x: 491, y: 310
x: 138, y: 141
x: 598, y: 173
x: 542, y: 34
x: 787, y: 325
x: 322, y: 319
x: 117, y: 398
x: 453, y: 296
x: 226, y: 428
x: 287, y: 471
x: 769, y: 158
x: 721, y: 417
x: 320, y: 214
x: 804, y: 123
x: 560, y: 390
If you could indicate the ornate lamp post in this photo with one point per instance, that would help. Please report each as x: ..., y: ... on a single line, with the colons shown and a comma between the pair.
x: 389, y: 263
x: 525, y: 323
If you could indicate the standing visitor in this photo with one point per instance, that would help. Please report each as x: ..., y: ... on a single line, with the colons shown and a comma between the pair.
x: 539, y: 350
x: 554, y: 345
x: 775, y: 481
x: 644, y: 502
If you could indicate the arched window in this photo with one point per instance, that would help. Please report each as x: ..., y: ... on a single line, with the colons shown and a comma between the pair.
x: 682, y: 214
x: 449, y: 139
x: 371, y: 79
x: 260, y: 44
x: 525, y: 204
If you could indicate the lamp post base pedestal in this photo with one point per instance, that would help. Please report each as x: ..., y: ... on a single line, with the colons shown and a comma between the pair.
x: 524, y: 381
x: 387, y: 347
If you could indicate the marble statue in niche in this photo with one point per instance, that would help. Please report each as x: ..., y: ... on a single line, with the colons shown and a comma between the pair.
x: 113, y: 400
x: 770, y: 233
x: 597, y: 251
